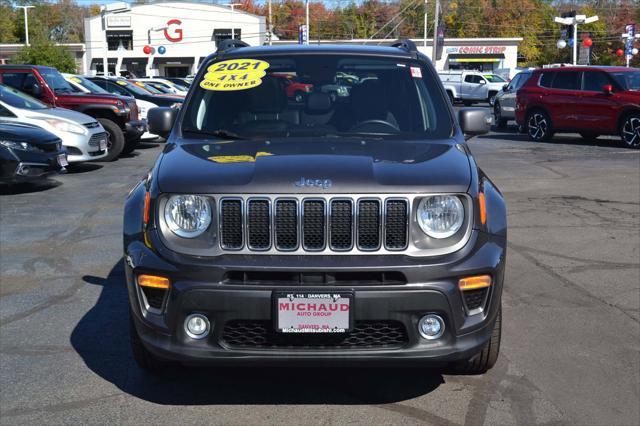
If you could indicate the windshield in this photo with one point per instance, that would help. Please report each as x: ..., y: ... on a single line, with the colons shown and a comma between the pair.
x: 318, y: 96
x: 132, y: 87
x: 55, y: 80
x: 494, y: 78
x: 148, y: 88
x: 629, y: 80
x: 159, y: 87
x: 17, y: 99
x: 87, y: 84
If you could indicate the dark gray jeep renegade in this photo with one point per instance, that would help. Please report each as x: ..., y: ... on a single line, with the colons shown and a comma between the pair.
x: 316, y: 204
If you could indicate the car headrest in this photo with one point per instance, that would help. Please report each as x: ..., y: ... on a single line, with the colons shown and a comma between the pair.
x: 268, y: 97
x: 318, y: 103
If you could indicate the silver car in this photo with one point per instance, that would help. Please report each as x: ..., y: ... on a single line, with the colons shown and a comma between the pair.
x: 504, y: 107
x: 83, y: 137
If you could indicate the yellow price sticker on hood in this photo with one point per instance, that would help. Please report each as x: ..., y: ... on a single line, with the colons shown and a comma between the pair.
x: 234, y: 74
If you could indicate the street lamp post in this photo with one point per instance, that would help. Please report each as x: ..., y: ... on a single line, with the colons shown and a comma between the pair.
x: 26, y: 23
x: 233, y: 30
x: 574, y: 21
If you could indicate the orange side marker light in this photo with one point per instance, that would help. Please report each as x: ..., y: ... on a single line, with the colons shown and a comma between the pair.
x: 483, y: 208
x: 475, y: 282
x: 153, y: 281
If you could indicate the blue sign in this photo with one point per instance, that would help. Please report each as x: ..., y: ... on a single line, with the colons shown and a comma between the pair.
x: 303, y: 35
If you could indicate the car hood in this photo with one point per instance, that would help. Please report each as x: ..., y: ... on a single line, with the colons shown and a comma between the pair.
x: 313, y: 167
x: 25, y: 132
x: 63, y: 113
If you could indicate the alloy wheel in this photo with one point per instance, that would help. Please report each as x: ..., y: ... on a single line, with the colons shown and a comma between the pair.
x: 538, y: 126
x: 109, y: 143
x: 631, y: 132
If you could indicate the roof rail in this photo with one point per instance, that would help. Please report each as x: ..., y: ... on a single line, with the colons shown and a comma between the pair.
x: 229, y: 44
x: 405, y: 44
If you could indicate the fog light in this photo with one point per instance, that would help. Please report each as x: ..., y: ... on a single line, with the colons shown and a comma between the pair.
x: 431, y: 327
x: 196, y: 326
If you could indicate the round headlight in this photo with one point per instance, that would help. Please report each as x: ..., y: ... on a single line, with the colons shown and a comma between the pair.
x: 440, y: 216
x: 187, y: 216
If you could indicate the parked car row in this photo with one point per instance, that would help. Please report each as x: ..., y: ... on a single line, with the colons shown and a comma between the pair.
x: 93, y: 118
x: 588, y: 100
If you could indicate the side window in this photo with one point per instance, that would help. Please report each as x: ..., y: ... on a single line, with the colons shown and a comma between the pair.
x: 14, y: 79
x: 567, y: 81
x: 546, y: 79
x: 100, y: 83
x: 116, y: 90
x: 594, y: 81
x: 523, y: 79
x: 514, y: 84
x: 5, y: 112
x: 469, y: 79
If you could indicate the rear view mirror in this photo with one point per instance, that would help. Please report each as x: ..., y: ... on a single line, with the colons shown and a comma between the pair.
x: 475, y: 121
x: 607, y: 89
x: 161, y: 120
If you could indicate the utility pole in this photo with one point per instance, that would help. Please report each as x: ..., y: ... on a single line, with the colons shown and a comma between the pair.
x: 426, y: 11
x: 574, y: 21
x: 434, y: 53
x: 307, y: 22
x: 270, y: 29
x: 26, y: 23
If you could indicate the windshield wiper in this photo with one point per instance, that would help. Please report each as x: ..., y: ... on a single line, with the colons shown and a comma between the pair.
x: 220, y: 133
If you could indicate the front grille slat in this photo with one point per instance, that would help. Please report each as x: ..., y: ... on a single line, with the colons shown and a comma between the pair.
x: 396, y: 224
x: 341, y: 225
x: 95, y: 139
x: 314, y: 224
x: 369, y: 224
x: 231, y: 227
x: 286, y: 225
x: 258, y: 225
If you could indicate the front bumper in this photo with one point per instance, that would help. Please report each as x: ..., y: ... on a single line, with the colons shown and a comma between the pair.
x: 134, y: 129
x: 29, y: 167
x: 199, y: 286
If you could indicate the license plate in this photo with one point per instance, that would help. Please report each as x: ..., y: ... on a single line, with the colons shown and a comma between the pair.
x: 103, y: 144
x: 313, y: 312
x: 62, y: 160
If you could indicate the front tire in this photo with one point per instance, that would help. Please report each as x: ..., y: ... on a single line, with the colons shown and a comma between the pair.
x: 501, y: 122
x: 145, y: 359
x: 539, y: 126
x: 115, y: 139
x: 487, y: 357
x: 630, y: 131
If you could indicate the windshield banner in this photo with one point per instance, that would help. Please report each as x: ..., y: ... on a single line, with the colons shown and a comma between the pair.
x: 234, y: 74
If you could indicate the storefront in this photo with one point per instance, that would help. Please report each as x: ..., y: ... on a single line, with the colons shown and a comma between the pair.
x: 165, y: 39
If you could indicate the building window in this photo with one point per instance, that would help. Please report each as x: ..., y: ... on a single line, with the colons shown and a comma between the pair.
x: 225, y: 34
x: 120, y: 40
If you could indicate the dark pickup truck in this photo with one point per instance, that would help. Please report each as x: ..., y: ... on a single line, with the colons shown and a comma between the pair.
x: 117, y: 114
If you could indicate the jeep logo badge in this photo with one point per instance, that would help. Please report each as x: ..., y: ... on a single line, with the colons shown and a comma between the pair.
x: 309, y: 183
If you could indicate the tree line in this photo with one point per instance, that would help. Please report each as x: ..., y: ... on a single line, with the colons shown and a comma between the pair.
x: 62, y: 22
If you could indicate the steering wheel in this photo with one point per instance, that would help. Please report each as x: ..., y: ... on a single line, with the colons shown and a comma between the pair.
x: 362, y: 125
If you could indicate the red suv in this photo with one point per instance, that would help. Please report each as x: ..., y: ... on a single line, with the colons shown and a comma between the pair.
x: 592, y: 101
x: 295, y: 88
x: 117, y: 114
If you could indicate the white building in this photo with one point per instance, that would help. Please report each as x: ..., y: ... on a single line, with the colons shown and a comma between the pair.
x: 482, y: 54
x: 179, y: 34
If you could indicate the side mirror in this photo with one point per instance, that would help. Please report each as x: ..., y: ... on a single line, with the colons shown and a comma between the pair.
x: 505, y: 88
x: 483, y: 82
x: 475, y: 121
x: 161, y: 120
x: 607, y: 89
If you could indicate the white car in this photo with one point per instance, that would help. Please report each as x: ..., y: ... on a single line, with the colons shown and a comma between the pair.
x: 82, y: 136
x: 85, y: 85
x: 172, y: 87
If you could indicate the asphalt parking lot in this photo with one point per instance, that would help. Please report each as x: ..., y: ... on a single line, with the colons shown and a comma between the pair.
x: 571, y: 327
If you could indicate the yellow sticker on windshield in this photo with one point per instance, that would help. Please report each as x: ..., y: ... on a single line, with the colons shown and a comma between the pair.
x: 121, y: 83
x: 75, y: 80
x: 234, y: 74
